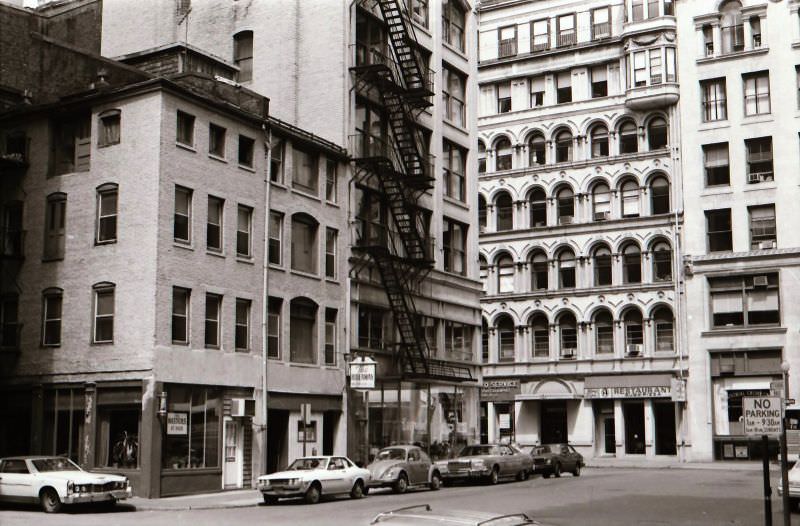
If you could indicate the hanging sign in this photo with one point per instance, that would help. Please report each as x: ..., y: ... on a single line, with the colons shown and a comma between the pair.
x: 177, y: 423
x: 362, y: 373
x: 678, y: 389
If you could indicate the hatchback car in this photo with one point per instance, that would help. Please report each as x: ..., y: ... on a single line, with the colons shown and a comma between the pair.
x: 554, y: 459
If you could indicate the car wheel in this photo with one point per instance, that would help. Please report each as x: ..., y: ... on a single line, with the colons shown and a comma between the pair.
x: 546, y: 475
x: 401, y: 484
x: 269, y: 499
x: 313, y: 494
x: 520, y: 475
x: 436, y: 482
x: 557, y: 470
x: 527, y: 474
x: 494, y: 477
x: 366, y: 490
x: 358, y: 490
x: 577, y: 471
x: 49, y: 500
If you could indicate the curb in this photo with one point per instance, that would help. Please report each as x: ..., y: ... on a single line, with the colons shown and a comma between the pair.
x: 188, y: 507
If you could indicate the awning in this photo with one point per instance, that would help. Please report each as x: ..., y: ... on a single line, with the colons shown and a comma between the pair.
x: 628, y: 386
x: 292, y: 401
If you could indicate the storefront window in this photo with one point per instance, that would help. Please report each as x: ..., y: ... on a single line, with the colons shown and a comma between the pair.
x: 193, y: 429
x: 63, y: 422
x: 118, y: 436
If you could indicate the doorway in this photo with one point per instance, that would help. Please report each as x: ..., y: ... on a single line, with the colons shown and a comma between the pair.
x: 232, y: 469
x: 554, y: 421
x: 633, y: 413
x: 330, y: 421
x: 277, y: 429
x: 664, y: 416
x: 609, y: 435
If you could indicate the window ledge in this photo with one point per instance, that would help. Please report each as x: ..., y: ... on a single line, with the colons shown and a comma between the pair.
x: 711, y: 191
x: 309, y: 195
x: 99, y: 146
x: 304, y: 365
x: 215, y: 253
x: 305, y: 274
x: 52, y: 259
x: 796, y: 44
x: 766, y: 185
x: 334, y: 281
x: 247, y: 168
x: 217, y: 158
x: 103, y: 343
x: 731, y: 56
x: 333, y: 204
x: 187, y: 147
x: 758, y: 118
x: 183, y: 245
x: 455, y: 202
x: 720, y: 124
x: 454, y: 126
x: 278, y: 184
x: 245, y: 259
x: 454, y: 49
x: 101, y: 243
x: 275, y: 266
x: 743, y: 331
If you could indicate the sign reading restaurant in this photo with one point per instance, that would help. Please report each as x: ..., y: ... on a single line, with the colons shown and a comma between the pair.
x: 653, y: 391
x: 630, y: 386
x: 499, y: 390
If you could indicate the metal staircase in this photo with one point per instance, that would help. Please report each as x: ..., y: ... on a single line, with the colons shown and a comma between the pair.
x: 403, y: 255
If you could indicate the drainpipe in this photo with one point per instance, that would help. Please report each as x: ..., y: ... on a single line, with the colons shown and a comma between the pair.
x: 265, y: 284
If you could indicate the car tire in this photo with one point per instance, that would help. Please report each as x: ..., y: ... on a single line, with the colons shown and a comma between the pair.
x: 577, y: 471
x: 401, y: 484
x: 313, y: 494
x: 494, y: 477
x: 436, y: 482
x: 557, y: 470
x: 520, y: 475
x: 527, y: 474
x: 366, y: 490
x: 546, y: 475
x: 270, y: 500
x: 49, y: 500
x: 358, y: 490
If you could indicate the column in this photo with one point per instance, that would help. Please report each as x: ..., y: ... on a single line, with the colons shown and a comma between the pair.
x: 649, y: 428
x: 491, y: 217
x: 748, y: 35
x: 150, y: 440
x: 717, y: 38
x: 86, y: 455
x: 491, y: 422
x: 37, y: 419
x: 619, y: 428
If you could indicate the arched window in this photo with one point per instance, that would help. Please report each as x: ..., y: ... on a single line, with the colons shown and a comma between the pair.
x: 537, y: 150
x: 481, y: 157
x: 243, y: 54
x: 662, y: 261
x: 568, y: 336
x: 731, y: 26
x: 537, y: 203
x: 540, y: 336
x: 565, y: 206
x: 631, y: 264
x: 657, y: 133
x: 603, y: 332
x: 601, y: 202
x: 302, y: 331
x: 484, y: 273
x: 659, y: 196
x: 484, y: 341
x: 566, y: 269
x: 564, y: 147
x: 628, y: 140
x: 505, y: 339
x: 602, y: 266
x: 503, y: 154
x: 634, y: 333
x: 599, y: 137
x: 665, y: 329
x: 630, y: 198
x: 539, y: 271
x: 505, y: 211
x: 482, y: 215
x: 505, y: 275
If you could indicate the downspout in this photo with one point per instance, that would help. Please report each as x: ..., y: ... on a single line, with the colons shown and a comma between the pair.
x: 265, y: 284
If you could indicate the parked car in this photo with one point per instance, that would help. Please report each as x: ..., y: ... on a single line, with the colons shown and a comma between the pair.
x: 422, y: 514
x: 794, y: 486
x: 401, y: 467
x: 315, y: 477
x: 55, y: 481
x: 554, y: 459
x: 488, y: 462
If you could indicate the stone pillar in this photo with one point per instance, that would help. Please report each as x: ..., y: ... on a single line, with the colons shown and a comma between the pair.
x: 86, y: 455
x: 150, y: 440
x: 37, y: 420
x: 619, y: 428
x: 748, y: 35
x: 717, y: 38
x: 649, y: 428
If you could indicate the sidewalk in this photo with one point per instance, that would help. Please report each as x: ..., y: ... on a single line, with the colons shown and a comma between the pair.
x: 243, y: 498
x: 644, y: 463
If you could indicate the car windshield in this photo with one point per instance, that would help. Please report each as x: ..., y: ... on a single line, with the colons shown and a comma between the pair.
x: 305, y: 464
x: 392, y: 453
x: 471, y: 451
x: 539, y: 450
x: 55, y: 464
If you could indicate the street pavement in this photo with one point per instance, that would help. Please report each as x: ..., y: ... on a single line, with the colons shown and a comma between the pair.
x: 600, y: 496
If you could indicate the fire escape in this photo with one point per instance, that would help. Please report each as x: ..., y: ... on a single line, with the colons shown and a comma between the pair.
x: 396, y: 165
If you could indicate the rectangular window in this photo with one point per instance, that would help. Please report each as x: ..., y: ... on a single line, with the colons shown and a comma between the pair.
x: 331, y: 181
x: 763, y: 230
x: 183, y: 215
x: 564, y: 87
x: 504, y: 97
x: 567, y: 35
x: 453, y: 96
x: 370, y: 327
x: 216, y: 140
x: 216, y: 207
x: 330, y: 336
x: 180, y: 315
x: 72, y: 136
x: 537, y: 92
x: 306, y: 171
x: 507, y: 39
x: 198, y: 446
x: 652, y: 8
x: 601, y: 23
x: 304, y: 244
x: 756, y: 93
x: 419, y: 11
x: 213, y: 308
x: 274, y: 327
x: 670, y: 63
x: 51, y: 318
x: 744, y: 301
x: 717, y: 165
x: 246, y: 148
x: 540, y: 31
x: 106, y: 214
x: 242, y: 336
x: 718, y: 229
x: 599, y: 81
x: 103, y: 314
x: 759, y: 160
x: 640, y: 68
x: 715, y: 103
x: 655, y: 67
x: 454, y: 241
x: 109, y: 131
x: 303, y: 331
x: 330, y: 253
x: 243, y: 55
x: 184, y: 133
x: 275, y: 236
x: 55, y: 226
x: 453, y: 24
x: 276, y: 160
x: 454, y: 170
x: 244, y: 225
x: 9, y: 322
x: 457, y: 341
x: 637, y: 10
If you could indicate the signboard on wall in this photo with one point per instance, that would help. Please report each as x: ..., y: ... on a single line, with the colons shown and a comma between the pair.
x: 500, y: 390
x: 678, y: 390
x: 362, y: 373
x: 177, y: 424
x: 762, y: 415
x: 629, y: 391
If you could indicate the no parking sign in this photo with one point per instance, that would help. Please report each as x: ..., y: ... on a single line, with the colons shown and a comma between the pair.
x: 762, y: 415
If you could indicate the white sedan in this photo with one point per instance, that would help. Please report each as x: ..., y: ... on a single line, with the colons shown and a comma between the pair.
x: 313, y: 477
x: 54, y: 481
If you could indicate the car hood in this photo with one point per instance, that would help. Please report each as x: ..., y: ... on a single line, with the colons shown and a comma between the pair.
x: 293, y: 474
x: 83, y: 477
x: 794, y: 476
x: 379, y: 467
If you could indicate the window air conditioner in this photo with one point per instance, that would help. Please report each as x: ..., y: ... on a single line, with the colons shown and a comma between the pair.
x: 634, y: 349
x: 243, y: 407
x: 763, y: 245
x: 602, y: 216
x: 568, y: 353
x: 754, y: 177
x: 760, y: 281
x: 565, y: 220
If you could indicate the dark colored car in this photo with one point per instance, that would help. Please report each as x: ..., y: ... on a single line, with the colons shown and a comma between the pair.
x: 554, y: 459
x: 488, y: 462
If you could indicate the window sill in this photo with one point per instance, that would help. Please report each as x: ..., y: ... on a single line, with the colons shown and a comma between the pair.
x: 732, y: 56
x: 303, y: 365
x: 455, y: 125
x: 333, y: 281
x: 183, y: 245
x: 305, y: 274
x: 758, y: 118
x: 180, y: 344
x: 333, y: 204
x: 735, y: 331
x: 764, y: 185
x: 215, y: 253
x: 52, y: 259
x: 246, y: 168
x: 109, y: 242
x: 49, y: 345
x: 720, y: 124
x: 242, y: 352
x: 217, y: 158
x: 212, y: 347
x: 99, y: 146
x: 455, y: 202
x: 460, y: 52
x: 103, y: 343
x: 713, y: 190
x: 279, y: 185
x: 304, y: 193
x: 187, y: 147
x: 245, y: 259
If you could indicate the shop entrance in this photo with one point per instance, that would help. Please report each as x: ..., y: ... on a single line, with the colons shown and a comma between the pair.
x: 554, y: 421
x: 232, y: 468
x: 330, y: 421
x: 609, y: 435
x: 277, y: 429
x: 634, y: 427
x: 664, y: 416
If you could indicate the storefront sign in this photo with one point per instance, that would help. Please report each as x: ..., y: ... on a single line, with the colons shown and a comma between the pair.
x: 505, y: 421
x: 678, y: 390
x: 362, y: 373
x: 499, y: 390
x: 762, y: 415
x: 177, y: 423
x: 643, y: 391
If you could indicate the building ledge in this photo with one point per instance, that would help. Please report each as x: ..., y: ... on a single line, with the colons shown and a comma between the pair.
x: 732, y: 56
x: 742, y: 256
x: 740, y: 331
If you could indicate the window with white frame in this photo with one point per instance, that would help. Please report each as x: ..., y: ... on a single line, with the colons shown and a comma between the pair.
x: 664, y: 323
x: 563, y: 87
x: 564, y: 147
x: 662, y: 261
x: 107, y: 196
x: 540, y: 34
x: 216, y: 140
x: 103, y: 326
x: 604, y: 332
x: 305, y: 175
x: 242, y: 329
x: 759, y: 160
x: 303, y: 331
x: 275, y: 245
x: 180, y: 314
x: 659, y: 196
x: 370, y: 327
x: 504, y: 97
x: 602, y: 266
x: 109, y: 130
x: 453, y: 94
x: 566, y: 33
x: 537, y: 201
x: 454, y: 170
x: 565, y: 206
x: 277, y: 148
x: 599, y: 141
x: 640, y: 68
x: 304, y: 243
x: 601, y: 23
x: 330, y: 336
x: 505, y: 211
x: 458, y: 341
x: 628, y: 138
x: 599, y: 81
x: 214, y: 224
x: 243, y: 55
x: 244, y: 226
x: 745, y: 301
x: 631, y: 264
x: 540, y: 270
x: 52, y: 301
x: 182, y: 217
x: 601, y: 202
x: 718, y: 230
x: 540, y: 337
x: 715, y: 103
x: 503, y: 154
x: 454, y: 244
x: 763, y: 228
x: 184, y: 133
x: 537, y: 149
x: 756, y: 93
x: 507, y: 41
x: 505, y: 275
x: 274, y: 306
x: 55, y: 226
x: 537, y: 91
x: 331, y: 181
x: 716, y: 164
x: 505, y: 339
x: 213, y: 309
x: 566, y: 269
x: 568, y: 336
x: 330, y: 252
x: 453, y: 24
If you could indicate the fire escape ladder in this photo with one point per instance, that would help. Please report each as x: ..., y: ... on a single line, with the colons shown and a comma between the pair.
x: 404, y: 43
x: 406, y: 139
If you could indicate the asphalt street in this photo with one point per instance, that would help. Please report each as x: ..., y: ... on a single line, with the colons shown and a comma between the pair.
x: 606, y: 496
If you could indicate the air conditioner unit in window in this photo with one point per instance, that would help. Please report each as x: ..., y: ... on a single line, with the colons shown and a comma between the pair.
x: 241, y: 407
x: 565, y: 220
x: 754, y: 177
x: 764, y: 245
x: 568, y: 353
x: 602, y: 216
x: 760, y: 281
x: 634, y: 349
